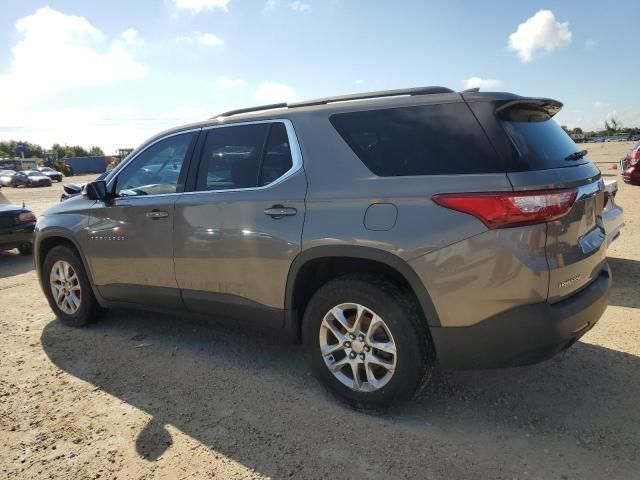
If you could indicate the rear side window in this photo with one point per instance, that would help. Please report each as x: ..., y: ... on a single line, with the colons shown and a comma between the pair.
x: 244, y: 156
x: 540, y: 142
x: 424, y: 140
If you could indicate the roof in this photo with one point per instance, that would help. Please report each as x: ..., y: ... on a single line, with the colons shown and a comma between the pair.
x: 382, y: 98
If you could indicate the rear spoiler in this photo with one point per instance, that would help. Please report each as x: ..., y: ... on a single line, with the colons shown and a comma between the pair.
x: 548, y: 105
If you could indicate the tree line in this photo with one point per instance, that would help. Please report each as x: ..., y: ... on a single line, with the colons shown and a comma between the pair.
x: 33, y: 150
x: 612, y: 126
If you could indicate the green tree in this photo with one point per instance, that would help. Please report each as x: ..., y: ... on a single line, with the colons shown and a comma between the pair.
x: 577, y: 130
x: 96, y: 151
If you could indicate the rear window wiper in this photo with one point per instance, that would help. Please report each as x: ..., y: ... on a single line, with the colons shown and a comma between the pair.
x: 576, y: 155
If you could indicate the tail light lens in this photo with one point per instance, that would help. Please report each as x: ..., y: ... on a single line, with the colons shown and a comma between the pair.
x: 26, y: 217
x: 510, y: 209
x: 635, y: 158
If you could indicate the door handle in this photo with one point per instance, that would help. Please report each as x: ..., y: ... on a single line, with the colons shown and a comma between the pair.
x: 279, y: 211
x: 155, y: 214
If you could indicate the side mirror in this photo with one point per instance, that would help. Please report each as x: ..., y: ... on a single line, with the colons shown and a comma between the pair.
x: 96, y: 190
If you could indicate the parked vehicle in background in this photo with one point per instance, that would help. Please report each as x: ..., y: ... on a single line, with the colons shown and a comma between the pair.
x: 51, y: 173
x: 30, y: 178
x: 613, y: 215
x: 16, y: 228
x: 5, y: 177
x: 630, y: 165
x: 382, y: 248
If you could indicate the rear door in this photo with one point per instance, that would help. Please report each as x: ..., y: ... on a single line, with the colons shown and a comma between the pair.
x: 548, y: 159
x: 237, y: 233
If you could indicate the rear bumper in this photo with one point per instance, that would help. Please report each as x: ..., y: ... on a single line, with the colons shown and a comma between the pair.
x: 524, y: 335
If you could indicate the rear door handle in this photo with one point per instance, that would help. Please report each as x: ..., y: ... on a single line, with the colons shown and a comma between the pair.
x: 279, y: 211
x: 155, y: 214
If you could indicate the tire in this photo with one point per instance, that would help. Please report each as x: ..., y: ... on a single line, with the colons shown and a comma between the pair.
x: 88, y: 310
x: 414, y: 358
x: 25, y: 248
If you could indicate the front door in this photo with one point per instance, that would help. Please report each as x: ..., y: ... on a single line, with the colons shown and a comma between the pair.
x: 130, y: 237
x: 236, y: 235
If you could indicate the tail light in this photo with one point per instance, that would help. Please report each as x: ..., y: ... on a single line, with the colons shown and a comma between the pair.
x: 510, y: 209
x: 26, y: 217
x: 635, y: 158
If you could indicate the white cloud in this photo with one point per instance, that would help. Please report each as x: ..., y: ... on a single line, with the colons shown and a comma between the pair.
x: 484, y: 83
x: 51, y: 39
x: 206, y: 39
x: 272, y: 92
x: 296, y: 6
x: 299, y: 6
x: 197, y: 6
x: 226, y: 82
x: 130, y: 36
x: 600, y: 104
x: 540, y: 32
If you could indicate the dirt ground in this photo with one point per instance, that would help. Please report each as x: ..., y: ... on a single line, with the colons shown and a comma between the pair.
x: 148, y: 396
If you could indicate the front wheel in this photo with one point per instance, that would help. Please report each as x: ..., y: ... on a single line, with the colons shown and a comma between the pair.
x: 67, y: 288
x: 367, y: 342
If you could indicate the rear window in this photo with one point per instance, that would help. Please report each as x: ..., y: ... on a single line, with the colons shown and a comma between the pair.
x: 424, y: 140
x: 541, y: 143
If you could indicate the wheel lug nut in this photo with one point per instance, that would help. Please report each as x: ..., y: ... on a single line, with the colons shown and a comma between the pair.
x: 361, y: 338
x: 362, y: 356
x: 366, y: 348
x: 347, y: 344
x: 352, y: 355
x: 352, y: 336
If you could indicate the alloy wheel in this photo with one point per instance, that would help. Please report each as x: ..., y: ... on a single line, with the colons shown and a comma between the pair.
x: 357, y: 347
x: 65, y: 287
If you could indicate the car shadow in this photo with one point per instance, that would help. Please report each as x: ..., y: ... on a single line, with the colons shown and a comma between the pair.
x: 626, y: 280
x: 13, y: 263
x: 249, y: 396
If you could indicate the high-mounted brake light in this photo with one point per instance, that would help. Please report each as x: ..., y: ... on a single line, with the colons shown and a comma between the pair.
x: 511, y: 209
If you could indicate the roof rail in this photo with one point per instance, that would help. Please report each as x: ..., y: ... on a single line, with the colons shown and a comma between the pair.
x: 341, y: 98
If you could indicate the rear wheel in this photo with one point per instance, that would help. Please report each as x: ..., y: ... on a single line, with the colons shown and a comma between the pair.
x: 67, y: 288
x: 367, y: 342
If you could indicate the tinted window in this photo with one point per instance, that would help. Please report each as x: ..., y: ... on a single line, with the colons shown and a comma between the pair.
x: 541, y: 143
x: 157, y: 169
x: 277, y: 156
x: 244, y: 156
x: 424, y: 140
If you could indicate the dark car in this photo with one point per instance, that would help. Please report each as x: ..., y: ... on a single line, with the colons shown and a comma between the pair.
x: 30, y: 178
x: 51, y: 173
x: 16, y: 228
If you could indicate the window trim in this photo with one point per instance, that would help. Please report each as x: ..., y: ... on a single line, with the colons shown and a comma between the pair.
x: 294, y: 146
x: 196, y: 158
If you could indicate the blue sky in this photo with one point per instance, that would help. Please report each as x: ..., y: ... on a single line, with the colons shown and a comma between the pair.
x: 113, y: 73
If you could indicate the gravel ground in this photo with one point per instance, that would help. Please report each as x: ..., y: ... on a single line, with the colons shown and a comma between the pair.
x: 142, y: 395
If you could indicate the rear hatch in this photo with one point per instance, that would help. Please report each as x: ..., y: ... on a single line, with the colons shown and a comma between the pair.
x: 547, y: 159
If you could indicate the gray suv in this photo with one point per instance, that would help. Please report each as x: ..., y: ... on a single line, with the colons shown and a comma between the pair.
x: 390, y: 232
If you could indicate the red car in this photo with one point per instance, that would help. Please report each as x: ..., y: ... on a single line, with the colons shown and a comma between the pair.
x: 630, y: 165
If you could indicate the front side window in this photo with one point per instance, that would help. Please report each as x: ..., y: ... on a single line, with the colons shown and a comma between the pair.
x: 244, y: 156
x: 157, y: 169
